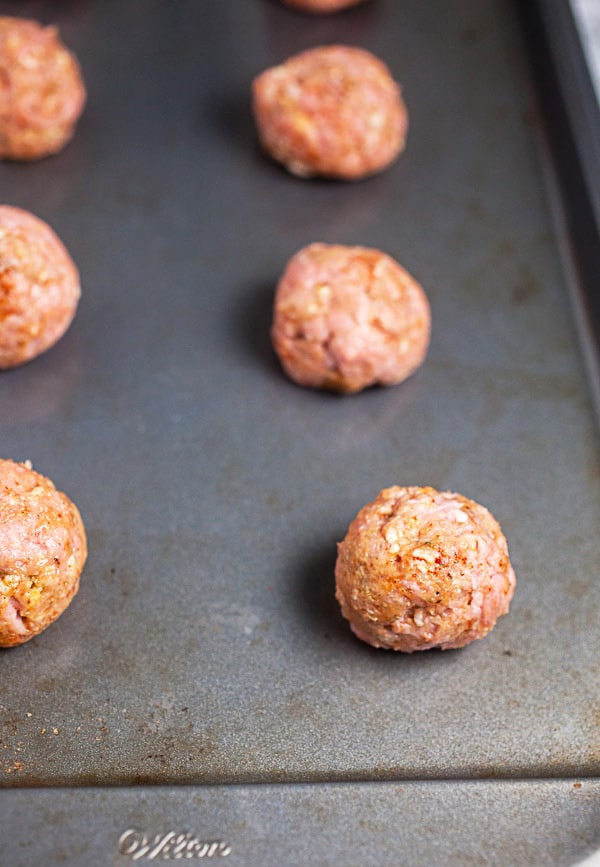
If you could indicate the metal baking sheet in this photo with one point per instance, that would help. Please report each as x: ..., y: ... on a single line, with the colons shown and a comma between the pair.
x: 205, y: 646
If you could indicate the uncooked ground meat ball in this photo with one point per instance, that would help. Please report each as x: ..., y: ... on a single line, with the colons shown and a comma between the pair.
x: 333, y: 111
x: 349, y: 317
x: 42, y: 552
x: 39, y: 287
x: 420, y: 569
x: 41, y: 90
x: 321, y: 5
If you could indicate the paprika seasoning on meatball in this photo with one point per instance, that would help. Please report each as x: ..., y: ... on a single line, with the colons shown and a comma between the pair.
x: 333, y: 111
x: 39, y: 287
x: 420, y: 569
x: 321, y: 6
x: 42, y: 93
x: 349, y: 317
x: 42, y: 552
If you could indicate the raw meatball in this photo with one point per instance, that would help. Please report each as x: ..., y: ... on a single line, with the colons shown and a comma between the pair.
x: 421, y: 569
x: 333, y: 111
x: 321, y: 5
x: 41, y: 90
x: 39, y: 287
x: 349, y: 317
x: 42, y: 552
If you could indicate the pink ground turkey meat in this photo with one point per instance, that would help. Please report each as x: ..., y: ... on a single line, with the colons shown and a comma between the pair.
x: 349, y: 317
x: 333, y: 111
x: 321, y: 6
x: 42, y: 93
x: 39, y: 287
x: 420, y: 569
x: 42, y: 552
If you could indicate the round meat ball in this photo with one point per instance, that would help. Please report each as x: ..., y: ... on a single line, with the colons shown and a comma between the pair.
x: 349, y: 317
x: 333, y: 111
x: 321, y: 6
x: 420, y: 569
x: 42, y: 552
x: 39, y: 287
x: 42, y: 93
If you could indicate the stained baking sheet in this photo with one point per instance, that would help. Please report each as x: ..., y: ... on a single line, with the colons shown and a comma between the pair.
x: 205, y: 645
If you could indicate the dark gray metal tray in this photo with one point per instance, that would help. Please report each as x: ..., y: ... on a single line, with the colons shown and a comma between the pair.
x: 203, y: 679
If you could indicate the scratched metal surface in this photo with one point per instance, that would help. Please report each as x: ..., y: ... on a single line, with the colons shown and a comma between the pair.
x: 205, y: 645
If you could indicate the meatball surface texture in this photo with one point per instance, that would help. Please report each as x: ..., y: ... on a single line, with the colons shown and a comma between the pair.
x: 39, y: 287
x: 42, y: 93
x: 42, y: 552
x: 420, y: 569
x: 321, y: 6
x: 349, y: 317
x: 333, y: 111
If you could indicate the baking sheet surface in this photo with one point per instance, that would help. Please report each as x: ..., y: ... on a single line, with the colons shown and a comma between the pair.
x: 205, y: 644
x: 440, y: 824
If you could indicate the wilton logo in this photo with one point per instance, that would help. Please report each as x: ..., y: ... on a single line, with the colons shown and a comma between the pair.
x: 171, y: 846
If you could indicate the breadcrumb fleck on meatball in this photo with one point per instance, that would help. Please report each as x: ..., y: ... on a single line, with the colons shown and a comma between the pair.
x: 39, y: 287
x: 420, y: 569
x: 42, y: 552
x: 42, y: 93
x: 349, y: 317
x: 333, y: 111
x: 321, y: 6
